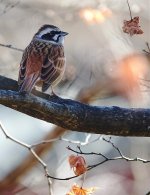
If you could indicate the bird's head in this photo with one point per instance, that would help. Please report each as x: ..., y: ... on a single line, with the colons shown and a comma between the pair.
x: 51, y: 34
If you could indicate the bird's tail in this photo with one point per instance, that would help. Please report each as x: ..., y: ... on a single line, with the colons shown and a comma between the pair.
x: 45, y: 86
x: 28, y: 83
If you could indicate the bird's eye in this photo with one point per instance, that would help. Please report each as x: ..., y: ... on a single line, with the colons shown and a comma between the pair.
x: 53, y: 32
x: 47, y: 36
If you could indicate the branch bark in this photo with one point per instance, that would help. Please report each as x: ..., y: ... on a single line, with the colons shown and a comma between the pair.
x: 74, y: 115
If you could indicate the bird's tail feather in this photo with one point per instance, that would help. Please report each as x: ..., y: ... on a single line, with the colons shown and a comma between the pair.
x: 45, y: 86
x: 29, y: 83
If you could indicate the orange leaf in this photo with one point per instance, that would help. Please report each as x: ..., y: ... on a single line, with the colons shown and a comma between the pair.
x: 76, y: 190
x: 78, y: 164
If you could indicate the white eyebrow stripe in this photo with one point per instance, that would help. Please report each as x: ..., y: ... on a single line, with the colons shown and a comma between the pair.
x: 47, y: 30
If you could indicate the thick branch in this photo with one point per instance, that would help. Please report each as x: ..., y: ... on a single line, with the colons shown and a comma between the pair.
x: 74, y: 115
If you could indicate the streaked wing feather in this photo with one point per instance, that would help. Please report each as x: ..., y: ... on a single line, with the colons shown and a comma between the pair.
x: 22, y: 70
x: 29, y: 69
x: 53, y: 67
x: 29, y: 82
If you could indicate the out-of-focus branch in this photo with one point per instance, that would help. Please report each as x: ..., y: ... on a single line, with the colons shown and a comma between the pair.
x: 77, y: 116
x: 148, y: 49
x: 11, y: 47
x: 8, y: 6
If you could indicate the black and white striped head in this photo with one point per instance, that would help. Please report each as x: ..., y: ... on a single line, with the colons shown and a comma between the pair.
x: 50, y: 33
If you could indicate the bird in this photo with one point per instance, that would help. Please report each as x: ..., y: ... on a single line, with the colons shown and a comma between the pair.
x: 43, y: 61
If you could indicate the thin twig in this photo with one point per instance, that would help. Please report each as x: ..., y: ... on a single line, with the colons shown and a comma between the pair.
x: 147, y: 44
x: 148, y: 47
x: 129, y: 9
x: 30, y: 148
x: 8, y: 7
x: 83, y: 179
x: 146, y: 52
x: 85, y: 153
x: 11, y: 47
x: 120, y: 157
x: 33, y: 153
x: 49, y: 177
x: 113, y: 145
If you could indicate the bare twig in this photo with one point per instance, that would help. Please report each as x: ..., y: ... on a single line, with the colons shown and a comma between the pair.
x: 8, y: 6
x: 129, y: 9
x: 105, y: 158
x: 33, y: 153
x: 44, y: 165
x: 148, y: 47
x: 11, y: 47
x: 113, y: 145
x: 147, y: 44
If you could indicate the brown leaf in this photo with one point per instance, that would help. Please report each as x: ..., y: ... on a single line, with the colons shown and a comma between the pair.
x: 78, y: 164
x: 132, y: 26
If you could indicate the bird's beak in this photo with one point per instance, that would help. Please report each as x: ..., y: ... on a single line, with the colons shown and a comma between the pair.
x: 64, y: 33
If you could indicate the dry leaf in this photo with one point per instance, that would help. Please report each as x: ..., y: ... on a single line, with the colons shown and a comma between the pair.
x: 76, y: 190
x: 132, y: 26
x: 78, y: 164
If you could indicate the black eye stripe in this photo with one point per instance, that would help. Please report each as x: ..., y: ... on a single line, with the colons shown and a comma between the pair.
x: 50, y: 36
x: 47, y: 36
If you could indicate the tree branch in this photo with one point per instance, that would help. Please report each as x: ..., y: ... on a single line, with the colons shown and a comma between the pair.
x: 74, y: 115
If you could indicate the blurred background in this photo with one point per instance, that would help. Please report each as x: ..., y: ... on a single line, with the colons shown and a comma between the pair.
x: 105, y: 67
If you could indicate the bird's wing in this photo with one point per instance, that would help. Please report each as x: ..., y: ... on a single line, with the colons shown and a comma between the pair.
x: 30, y: 68
x: 53, y: 67
x: 22, y: 69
